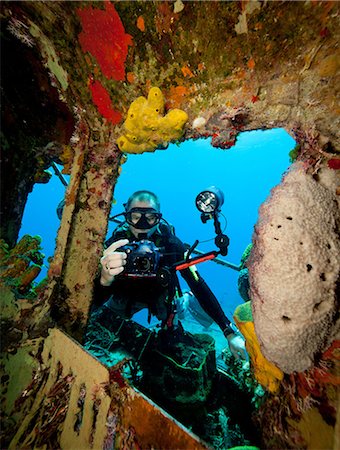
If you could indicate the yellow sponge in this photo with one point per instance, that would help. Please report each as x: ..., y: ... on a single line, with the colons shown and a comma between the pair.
x: 146, y: 128
x: 265, y: 372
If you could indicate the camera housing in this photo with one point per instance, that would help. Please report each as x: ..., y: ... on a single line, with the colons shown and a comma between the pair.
x: 142, y: 259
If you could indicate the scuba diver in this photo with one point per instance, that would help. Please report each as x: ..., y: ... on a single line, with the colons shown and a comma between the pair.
x: 138, y: 270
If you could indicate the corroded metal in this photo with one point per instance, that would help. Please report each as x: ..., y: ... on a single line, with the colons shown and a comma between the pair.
x: 113, y: 414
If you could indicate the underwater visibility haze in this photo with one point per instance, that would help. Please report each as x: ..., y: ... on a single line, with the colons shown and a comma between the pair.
x: 245, y: 173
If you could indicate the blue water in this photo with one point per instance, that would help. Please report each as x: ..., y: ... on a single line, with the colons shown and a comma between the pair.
x: 245, y: 173
x: 40, y: 216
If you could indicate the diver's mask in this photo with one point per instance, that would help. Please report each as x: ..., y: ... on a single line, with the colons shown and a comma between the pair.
x: 143, y: 218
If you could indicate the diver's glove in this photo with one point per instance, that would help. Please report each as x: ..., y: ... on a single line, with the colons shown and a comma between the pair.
x: 236, y: 343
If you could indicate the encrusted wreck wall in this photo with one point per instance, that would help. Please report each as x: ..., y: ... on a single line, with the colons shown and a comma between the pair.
x: 229, y: 66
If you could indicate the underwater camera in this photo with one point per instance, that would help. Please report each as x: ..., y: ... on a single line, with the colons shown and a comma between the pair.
x: 142, y: 259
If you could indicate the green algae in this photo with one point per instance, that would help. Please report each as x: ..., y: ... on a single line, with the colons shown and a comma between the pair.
x: 293, y: 154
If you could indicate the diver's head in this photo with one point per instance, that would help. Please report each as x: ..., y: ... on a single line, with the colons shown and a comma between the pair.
x: 143, y: 213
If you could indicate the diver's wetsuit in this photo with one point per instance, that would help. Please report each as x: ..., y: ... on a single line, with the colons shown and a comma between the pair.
x: 148, y: 291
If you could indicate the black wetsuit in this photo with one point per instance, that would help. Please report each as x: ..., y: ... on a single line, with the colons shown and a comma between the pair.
x: 147, y: 290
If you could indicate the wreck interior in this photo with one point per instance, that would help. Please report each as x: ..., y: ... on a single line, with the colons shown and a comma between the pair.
x: 77, y: 77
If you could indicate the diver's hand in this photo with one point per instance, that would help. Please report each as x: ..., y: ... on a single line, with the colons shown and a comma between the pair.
x: 112, y: 262
x: 237, y: 346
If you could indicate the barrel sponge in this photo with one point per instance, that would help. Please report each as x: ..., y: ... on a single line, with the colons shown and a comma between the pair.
x: 294, y: 269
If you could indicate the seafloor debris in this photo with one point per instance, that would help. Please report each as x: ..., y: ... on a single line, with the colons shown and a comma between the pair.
x: 178, y: 372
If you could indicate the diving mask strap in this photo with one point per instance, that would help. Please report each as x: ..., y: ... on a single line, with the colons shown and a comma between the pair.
x: 113, y: 218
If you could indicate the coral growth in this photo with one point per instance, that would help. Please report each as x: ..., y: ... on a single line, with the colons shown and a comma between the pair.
x: 304, y: 413
x: 222, y: 127
x: 294, y: 269
x: 22, y: 264
x: 146, y: 128
x: 243, y: 277
x: 243, y: 284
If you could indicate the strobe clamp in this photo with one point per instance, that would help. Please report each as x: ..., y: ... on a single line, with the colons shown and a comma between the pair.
x: 221, y: 240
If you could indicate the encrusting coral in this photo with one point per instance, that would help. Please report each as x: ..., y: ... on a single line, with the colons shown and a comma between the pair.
x: 294, y: 269
x: 146, y: 128
x: 22, y: 264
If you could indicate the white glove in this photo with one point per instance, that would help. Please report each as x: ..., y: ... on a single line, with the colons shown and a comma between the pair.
x: 237, y: 346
